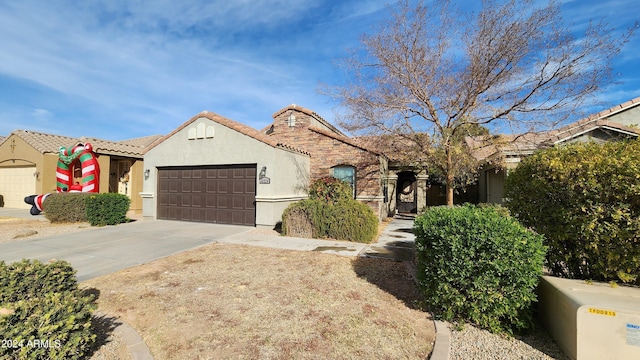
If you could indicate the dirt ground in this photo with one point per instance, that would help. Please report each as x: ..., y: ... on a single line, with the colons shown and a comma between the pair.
x: 12, y: 229
x: 230, y: 301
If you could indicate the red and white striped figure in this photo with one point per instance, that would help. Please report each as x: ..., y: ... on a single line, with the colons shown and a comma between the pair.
x: 36, y: 201
x: 68, y: 159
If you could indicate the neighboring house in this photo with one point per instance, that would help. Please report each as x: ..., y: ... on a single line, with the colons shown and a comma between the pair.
x: 617, y: 123
x: 213, y: 169
x: 28, y: 161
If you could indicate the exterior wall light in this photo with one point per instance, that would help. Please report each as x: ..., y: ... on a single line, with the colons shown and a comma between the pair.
x: 146, y: 174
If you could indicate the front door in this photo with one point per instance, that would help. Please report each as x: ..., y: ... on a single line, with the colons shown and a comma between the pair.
x: 406, y: 193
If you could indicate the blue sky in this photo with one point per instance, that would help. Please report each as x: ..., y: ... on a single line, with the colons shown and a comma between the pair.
x: 121, y: 69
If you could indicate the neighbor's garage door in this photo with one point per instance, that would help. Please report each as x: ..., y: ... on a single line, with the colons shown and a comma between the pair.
x: 213, y: 194
x: 15, y: 184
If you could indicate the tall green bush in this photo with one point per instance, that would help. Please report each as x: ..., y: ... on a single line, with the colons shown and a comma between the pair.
x: 44, y: 314
x: 585, y: 199
x: 477, y: 265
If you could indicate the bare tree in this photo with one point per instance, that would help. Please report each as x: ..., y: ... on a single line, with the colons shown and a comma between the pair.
x: 432, y: 72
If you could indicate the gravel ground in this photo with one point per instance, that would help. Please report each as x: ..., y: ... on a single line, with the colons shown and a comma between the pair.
x: 477, y: 344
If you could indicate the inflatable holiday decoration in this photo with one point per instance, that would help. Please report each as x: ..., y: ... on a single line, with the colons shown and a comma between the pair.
x: 80, y: 157
x: 68, y: 159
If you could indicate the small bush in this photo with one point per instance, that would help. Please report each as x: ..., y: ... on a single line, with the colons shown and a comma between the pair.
x: 107, y: 209
x: 26, y: 279
x: 65, y: 207
x: 330, y: 212
x: 303, y: 219
x: 44, y: 315
x: 352, y: 221
x: 479, y: 266
x: 585, y: 199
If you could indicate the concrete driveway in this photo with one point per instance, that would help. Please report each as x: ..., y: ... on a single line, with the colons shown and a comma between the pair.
x: 104, y: 250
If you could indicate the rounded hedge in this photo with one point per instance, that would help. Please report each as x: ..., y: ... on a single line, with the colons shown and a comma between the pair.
x: 479, y: 266
x: 330, y: 212
x: 585, y: 199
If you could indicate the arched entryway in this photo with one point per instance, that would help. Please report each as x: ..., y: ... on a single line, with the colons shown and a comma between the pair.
x: 406, y: 194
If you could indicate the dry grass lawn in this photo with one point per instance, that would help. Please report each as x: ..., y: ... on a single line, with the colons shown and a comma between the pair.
x: 229, y: 301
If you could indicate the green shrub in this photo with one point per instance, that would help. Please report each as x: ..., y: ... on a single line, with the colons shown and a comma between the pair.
x: 330, y: 190
x: 44, y: 315
x: 330, y: 212
x: 479, y: 266
x: 107, y: 209
x: 585, y: 199
x: 304, y: 219
x: 352, y: 221
x: 65, y: 207
x: 26, y: 279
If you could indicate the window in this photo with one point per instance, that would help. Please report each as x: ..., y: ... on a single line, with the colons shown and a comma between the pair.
x: 346, y: 173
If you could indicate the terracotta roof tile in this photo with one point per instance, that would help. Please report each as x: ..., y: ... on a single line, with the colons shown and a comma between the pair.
x: 51, y: 143
x: 241, y: 128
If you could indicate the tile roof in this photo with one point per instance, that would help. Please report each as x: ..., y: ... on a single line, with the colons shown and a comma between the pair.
x: 51, y: 143
x: 234, y: 125
x: 527, y: 143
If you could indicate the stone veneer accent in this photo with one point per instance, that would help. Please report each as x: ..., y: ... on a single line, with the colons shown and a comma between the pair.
x: 329, y: 148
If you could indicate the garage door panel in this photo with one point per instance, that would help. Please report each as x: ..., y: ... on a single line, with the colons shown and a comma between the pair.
x: 186, y: 186
x: 15, y: 184
x: 197, y: 186
x: 216, y: 194
x: 222, y: 186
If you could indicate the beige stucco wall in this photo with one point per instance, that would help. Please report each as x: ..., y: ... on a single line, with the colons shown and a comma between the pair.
x: 136, y: 176
x: 629, y: 117
x: 288, y: 171
x: 15, y: 152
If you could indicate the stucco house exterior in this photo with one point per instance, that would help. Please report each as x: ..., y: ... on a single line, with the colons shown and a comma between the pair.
x: 214, y: 169
x: 28, y: 161
x: 617, y: 123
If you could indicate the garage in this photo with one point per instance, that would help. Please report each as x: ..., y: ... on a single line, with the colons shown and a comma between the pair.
x: 222, y: 194
x: 15, y: 184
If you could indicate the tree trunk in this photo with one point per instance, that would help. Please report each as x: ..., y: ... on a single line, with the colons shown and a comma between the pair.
x: 449, y: 177
x: 449, y: 193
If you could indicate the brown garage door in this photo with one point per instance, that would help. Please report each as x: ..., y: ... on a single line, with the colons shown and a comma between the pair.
x: 213, y: 194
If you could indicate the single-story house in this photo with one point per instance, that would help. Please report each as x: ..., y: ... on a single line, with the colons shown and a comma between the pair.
x: 214, y: 169
x: 617, y: 123
x: 28, y: 161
